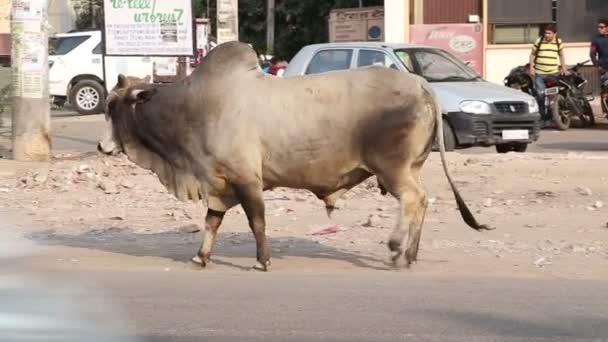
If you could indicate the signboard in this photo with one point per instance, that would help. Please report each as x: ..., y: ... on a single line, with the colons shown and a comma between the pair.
x: 227, y: 21
x: 356, y: 24
x: 465, y: 41
x: 148, y: 28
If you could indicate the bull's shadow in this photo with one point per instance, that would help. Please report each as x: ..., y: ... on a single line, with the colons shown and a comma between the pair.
x: 181, y: 246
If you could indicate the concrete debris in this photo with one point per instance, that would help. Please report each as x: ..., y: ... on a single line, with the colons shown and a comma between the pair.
x: 108, y: 187
x: 541, y: 262
x: 372, y: 221
x: 127, y: 184
x: 189, y: 229
x: 584, y: 191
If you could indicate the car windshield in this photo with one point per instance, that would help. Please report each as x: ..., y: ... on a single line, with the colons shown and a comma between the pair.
x: 59, y: 46
x: 436, y: 65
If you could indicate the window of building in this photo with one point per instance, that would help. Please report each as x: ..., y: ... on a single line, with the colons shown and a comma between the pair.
x: 518, y: 21
x: 577, y: 19
x: 514, y: 34
x: 330, y: 60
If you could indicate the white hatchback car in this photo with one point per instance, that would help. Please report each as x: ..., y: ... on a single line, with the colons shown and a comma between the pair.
x: 76, y: 71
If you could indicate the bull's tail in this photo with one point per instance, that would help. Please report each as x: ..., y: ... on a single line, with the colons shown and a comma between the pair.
x: 465, y: 212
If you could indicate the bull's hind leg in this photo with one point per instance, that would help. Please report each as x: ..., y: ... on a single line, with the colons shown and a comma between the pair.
x: 252, y: 199
x: 412, y: 208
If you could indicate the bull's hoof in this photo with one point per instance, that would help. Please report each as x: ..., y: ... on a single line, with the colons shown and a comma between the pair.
x: 410, y: 259
x: 199, y: 261
x: 395, y: 247
x: 262, y: 267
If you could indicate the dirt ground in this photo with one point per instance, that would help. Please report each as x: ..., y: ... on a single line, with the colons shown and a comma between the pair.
x: 549, y: 211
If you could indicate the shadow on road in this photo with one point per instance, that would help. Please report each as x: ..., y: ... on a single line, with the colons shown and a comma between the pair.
x: 180, y: 246
x: 566, y: 328
x: 577, y: 146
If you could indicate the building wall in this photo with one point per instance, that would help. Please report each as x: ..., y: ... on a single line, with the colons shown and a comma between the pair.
x: 396, y: 21
x: 450, y: 12
x: 500, y: 59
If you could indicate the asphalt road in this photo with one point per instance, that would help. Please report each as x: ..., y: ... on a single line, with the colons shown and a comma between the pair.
x: 376, y: 306
x: 81, y: 133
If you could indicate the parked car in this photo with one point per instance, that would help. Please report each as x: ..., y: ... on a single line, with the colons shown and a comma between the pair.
x: 476, y: 112
x: 76, y: 71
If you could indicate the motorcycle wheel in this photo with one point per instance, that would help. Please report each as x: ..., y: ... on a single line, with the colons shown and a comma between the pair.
x: 587, y: 118
x: 561, y: 117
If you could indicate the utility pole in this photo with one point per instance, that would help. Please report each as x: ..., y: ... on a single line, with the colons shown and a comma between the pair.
x: 360, y: 3
x: 31, y: 117
x: 270, y: 28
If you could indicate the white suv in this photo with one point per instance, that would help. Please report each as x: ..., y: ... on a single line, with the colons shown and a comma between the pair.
x: 76, y: 71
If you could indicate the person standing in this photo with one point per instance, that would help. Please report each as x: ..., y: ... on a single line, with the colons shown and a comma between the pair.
x: 546, y: 60
x: 599, y: 54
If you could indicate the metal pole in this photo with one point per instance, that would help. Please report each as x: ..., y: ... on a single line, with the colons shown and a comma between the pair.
x: 31, y: 117
x: 360, y: 3
x: 208, y: 8
x: 270, y: 28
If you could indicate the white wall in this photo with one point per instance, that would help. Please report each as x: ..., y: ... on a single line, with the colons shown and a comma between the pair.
x: 500, y: 59
x: 396, y: 21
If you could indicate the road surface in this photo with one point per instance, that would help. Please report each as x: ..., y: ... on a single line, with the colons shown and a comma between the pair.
x: 82, y: 133
x: 350, y: 306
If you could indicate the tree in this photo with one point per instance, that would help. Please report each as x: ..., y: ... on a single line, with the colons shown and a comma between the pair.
x: 89, y: 14
x: 297, y: 22
x: 301, y: 23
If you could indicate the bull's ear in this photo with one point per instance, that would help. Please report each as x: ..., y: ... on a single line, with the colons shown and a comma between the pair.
x: 142, y: 95
x: 147, y: 79
x: 122, y: 81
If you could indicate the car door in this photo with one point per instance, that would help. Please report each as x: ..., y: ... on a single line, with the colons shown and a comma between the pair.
x: 330, y: 60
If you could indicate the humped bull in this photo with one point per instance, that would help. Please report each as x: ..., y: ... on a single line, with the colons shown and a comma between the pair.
x: 228, y: 132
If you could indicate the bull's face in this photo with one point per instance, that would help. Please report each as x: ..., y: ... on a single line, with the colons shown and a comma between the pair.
x: 120, y: 102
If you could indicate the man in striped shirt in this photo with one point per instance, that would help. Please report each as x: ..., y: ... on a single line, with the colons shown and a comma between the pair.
x: 546, y: 60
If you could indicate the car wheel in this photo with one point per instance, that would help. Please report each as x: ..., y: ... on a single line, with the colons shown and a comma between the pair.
x: 503, y: 148
x: 87, y: 97
x: 520, y: 147
x: 512, y: 147
x: 448, y: 137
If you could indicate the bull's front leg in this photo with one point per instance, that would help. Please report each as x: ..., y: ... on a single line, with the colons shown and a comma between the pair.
x: 218, y: 206
x: 251, y: 198
x: 213, y: 220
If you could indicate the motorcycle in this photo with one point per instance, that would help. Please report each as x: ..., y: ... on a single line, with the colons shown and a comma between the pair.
x: 564, y: 96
